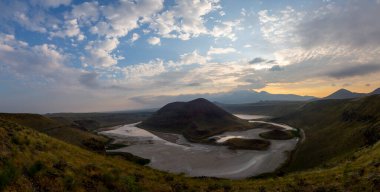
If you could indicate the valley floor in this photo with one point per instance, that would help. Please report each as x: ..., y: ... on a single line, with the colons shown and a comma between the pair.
x: 175, y: 154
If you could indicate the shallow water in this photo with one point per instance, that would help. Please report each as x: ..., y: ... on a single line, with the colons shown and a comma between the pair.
x: 195, y: 159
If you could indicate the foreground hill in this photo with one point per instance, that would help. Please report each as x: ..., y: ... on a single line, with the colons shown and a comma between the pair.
x: 32, y: 161
x: 335, y: 130
x: 196, y: 120
x: 65, y: 131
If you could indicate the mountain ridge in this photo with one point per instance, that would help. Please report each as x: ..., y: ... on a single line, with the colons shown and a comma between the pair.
x: 234, y: 97
x: 347, y: 94
x: 344, y: 94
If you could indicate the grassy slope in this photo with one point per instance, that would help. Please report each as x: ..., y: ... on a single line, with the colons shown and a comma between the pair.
x: 93, y: 121
x: 60, y: 130
x: 31, y: 161
x: 334, y: 130
x: 269, y: 108
x: 277, y: 135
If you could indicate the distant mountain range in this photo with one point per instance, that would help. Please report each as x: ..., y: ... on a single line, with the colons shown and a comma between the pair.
x: 346, y: 94
x: 234, y: 97
x: 243, y: 97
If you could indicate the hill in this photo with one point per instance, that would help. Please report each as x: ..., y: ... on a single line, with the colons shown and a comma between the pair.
x: 94, y: 121
x: 268, y: 108
x: 334, y: 129
x: 32, y: 161
x: 246, y: 96
x: 344, y: 94
x: 196, y: 120
x: 375, y: 92
x: 65, y: 131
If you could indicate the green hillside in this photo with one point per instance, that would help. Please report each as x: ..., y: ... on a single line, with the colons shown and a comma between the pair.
x: 31, y: 161
x: 93, y: 121
x: 269, y: 108
x: 341, y: 153
x: 334, y: 130
x: 64, y: 131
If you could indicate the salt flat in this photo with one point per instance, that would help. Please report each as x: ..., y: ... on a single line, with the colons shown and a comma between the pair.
x: 195, y: 159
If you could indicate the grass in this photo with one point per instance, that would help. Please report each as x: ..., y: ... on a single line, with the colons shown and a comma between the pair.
x: 114, y: 146
x: 250, y: 144
x: 269, y: 108
x: 334, y: 130
x: 277, y: 135
x: 34, y: 161
x: 38, y: 162
x: 94, y: 121
x: 59, y: 129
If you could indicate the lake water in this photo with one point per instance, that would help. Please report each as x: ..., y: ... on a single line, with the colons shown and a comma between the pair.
x: 195, y: 159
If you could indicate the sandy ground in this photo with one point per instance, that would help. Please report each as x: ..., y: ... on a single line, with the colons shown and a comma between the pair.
x: 175, y: 154
x: 251, y: 117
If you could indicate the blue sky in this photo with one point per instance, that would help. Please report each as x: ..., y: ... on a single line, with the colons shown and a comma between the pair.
x: 68, y: 55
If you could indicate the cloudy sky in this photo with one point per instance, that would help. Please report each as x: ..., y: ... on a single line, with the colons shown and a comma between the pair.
x: 68, y: 55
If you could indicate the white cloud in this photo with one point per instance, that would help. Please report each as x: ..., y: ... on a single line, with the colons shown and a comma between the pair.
x: 247, y: 46
x: 218, y: 51
x: 280, y: 28
x: 192, y: 58
x: 185, y: 20
x: 119, y: 20
x: 86, y: 13
x: 225, y: 29
x: 43, y: 62
x: 152, y: 68
x: 354, y: 23
x: 70, y: 29
x: 125, y: 16
x: 154, y: 41
x: 100, y: 53
x: 135, y: 37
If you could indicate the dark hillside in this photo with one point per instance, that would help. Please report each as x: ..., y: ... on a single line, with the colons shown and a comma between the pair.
x: 344, y: 94
x: 65, y: 131
x: 197, y: 119
x: 268, y: 108
x: 334, y: 130
x: 31, y: 161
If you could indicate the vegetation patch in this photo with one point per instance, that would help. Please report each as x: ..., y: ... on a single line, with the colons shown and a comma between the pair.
x: 59, y: 166
x: 334, y: 130
x: 278, y: 135
x: 251, y: 144
x: 114, y: 146
x: 7, y: 173
x: 130, y: 157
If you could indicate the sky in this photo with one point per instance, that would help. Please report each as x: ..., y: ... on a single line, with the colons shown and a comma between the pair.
x: 80, y: 56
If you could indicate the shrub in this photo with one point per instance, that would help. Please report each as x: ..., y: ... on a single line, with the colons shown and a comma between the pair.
x: 35, y: 168
x: 7, y: 173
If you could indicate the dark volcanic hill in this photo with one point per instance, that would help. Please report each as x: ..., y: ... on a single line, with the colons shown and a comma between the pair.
x: 196, y: 119
x: 344, y: 94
